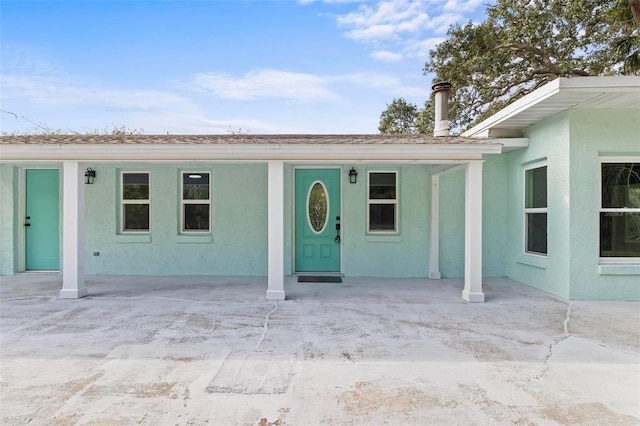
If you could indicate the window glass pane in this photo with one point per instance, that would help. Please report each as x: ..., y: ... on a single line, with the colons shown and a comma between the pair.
x: 536, y: 188
x: 619, y: 234
x: 621, y: 185
x: 136, y: 217
x: 382, y: 186
x: 135, y: 186
x: 196, y: 217
x: 537, y: 233
x: 318, y: 208
x: 382, y: 217
x: 195, y: 186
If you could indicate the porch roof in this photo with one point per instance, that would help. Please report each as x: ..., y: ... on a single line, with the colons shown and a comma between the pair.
x: 249, y: 147
x: 239, y: 139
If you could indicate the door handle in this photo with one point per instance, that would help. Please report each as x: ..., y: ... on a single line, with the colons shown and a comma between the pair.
x: 27, y: 223
x: 337, y: 239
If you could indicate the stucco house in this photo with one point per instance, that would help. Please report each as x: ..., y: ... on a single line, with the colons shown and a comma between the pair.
x: 545, y: 192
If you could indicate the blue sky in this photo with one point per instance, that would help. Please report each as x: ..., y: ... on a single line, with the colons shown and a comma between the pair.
x: 210, y: 67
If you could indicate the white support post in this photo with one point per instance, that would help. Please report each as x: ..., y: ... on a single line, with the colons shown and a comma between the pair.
x: 275, y: 280
x: 72, y: 231
x: 434, y: 261
x: 473, y: 233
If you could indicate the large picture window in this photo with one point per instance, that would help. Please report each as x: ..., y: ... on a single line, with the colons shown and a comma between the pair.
x: 196, y: 202
x: 135, y: 202
x: 382, y: 202
x: 535, y: 210
x: 620, y: 210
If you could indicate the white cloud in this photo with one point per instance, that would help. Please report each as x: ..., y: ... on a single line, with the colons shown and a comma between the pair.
x: 463, y: 5
x: 387, y: 20
x: 420, y: 48
x: 296, y: 86
x: 190, y: 106
x: 264, y: 83
x: 408, y: 27
x: 385, y: 83
x: 441, y: 23
x: 303, y: 2
x: 386, y: 56
x: 200, y: 123
x: 65, y: 92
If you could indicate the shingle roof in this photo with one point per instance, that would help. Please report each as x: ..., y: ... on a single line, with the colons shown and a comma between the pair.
x: 241, y: 139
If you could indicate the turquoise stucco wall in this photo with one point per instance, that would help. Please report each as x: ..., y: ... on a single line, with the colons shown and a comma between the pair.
x: 571, y: 144
x: 548, y: 145
x: 8, y: 237
x: 597, y: 134
x: 237, y: 244
x: 405, y: 254
x: 452, y: 224
x: 494, y: 215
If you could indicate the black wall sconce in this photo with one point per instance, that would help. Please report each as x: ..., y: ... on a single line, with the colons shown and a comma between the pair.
x: 353, y: 175
x: 90, y: 174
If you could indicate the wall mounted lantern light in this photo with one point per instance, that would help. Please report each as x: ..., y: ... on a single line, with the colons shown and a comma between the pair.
x: 353, y: 175
x: 90, y: 175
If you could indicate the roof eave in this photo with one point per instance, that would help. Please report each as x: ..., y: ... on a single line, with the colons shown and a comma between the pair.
x: 240, y: 152
x: 491, y: 127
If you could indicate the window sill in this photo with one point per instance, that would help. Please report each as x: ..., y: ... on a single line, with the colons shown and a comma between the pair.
x: 532, y: 260
x: 133, y: 238
x: 194, y: 239
x: 619, y: 269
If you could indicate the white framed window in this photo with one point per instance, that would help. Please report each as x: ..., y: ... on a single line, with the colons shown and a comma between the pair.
x: 382, y: 202
x: 135, y: 201
x: 195, y: 202
x: 620, y: 210
x: 535, y: 210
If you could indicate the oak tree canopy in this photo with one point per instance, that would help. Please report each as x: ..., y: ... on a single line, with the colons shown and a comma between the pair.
x: 520, y: 46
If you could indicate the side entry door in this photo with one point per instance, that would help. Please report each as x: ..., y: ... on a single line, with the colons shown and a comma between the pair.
x: 42, y: 220
x: 317, y: 218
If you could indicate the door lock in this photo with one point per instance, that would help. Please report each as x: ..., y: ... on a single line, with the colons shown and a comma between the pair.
x: 26, y: 219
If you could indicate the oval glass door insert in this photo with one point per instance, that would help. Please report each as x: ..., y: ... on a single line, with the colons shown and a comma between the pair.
x: 317, y: 207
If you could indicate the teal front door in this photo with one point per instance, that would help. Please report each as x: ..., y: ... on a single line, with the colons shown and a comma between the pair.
x: 317, y: 220
x: 42, y: 220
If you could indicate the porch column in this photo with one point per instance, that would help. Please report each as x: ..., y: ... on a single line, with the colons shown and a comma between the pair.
x: 275, y: 193
x: 72, y: 231
x: 434, y: 257
x: 473, y: 233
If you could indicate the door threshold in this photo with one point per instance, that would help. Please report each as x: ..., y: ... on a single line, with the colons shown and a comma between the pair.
x: 329, y: 274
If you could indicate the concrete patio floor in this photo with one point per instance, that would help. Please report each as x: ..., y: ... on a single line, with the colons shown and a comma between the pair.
x: 204, y: 350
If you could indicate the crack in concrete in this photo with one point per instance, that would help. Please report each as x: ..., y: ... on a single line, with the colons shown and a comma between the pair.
x: 567, y: 318
x: 266, y: 324
x: 556, y: 342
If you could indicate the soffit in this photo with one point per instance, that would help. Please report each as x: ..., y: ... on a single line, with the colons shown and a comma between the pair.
x: 560, y: 95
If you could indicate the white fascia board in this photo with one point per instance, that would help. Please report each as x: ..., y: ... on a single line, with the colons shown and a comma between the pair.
x: 595, y: 85
x: 518, y: 106
x: 510, y: 144
x: 248, y: 152
x: 617, y: 83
